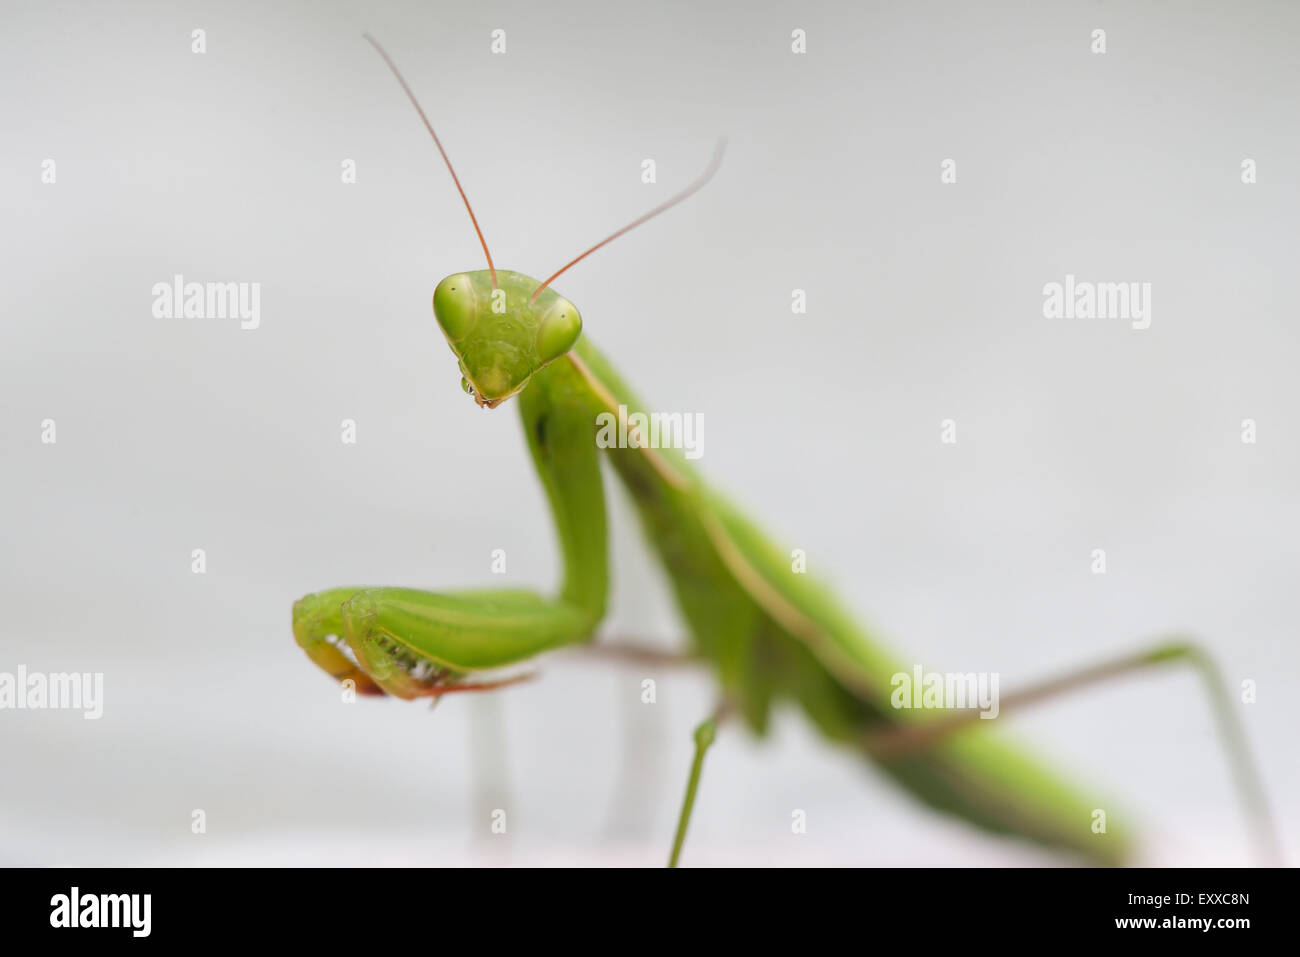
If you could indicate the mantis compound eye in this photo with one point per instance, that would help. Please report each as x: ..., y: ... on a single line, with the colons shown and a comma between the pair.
x: 558, y: 330
x: 455, y: 306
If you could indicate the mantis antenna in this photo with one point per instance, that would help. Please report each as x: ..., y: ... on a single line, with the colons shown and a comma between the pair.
x: 695, y: 187
x: 437, y: 142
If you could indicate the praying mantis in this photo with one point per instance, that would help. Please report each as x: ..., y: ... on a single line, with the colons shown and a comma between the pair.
x: 770, y: 634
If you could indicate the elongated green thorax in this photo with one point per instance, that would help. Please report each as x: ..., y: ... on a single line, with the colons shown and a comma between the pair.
x: 500, y: 335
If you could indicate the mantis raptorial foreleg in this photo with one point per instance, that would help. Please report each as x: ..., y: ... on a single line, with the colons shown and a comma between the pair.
x: 412, y: 643
x: 318, y: 629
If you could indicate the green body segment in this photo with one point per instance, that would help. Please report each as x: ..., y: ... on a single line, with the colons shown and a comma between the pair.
x: 772, y: 636
x: 822, y: 661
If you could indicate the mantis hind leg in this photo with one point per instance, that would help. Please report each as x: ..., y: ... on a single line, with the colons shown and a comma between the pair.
x: 899, y: 741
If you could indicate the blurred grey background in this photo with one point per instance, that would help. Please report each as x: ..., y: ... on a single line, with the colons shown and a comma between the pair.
x: 924, y: 303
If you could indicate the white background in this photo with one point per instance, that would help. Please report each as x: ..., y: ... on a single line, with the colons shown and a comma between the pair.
x: 925, y: 303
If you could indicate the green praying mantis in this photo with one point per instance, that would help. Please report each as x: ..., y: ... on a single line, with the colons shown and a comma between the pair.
x: 770, y: 635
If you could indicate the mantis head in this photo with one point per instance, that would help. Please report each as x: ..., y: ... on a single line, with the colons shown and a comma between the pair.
x: 502, y: 335
x: 504, y: 326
